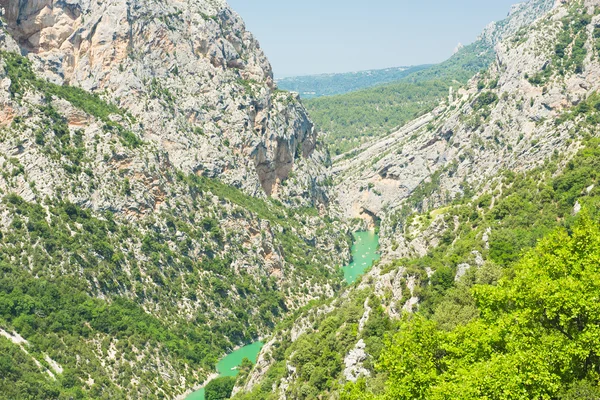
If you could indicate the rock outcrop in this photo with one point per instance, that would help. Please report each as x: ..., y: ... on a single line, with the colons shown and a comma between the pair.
x: 519, y: 16
x: 353, y: 362
x: 197, y: 82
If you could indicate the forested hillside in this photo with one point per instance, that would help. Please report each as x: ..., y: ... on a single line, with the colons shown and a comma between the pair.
x: 149, y: 222
x: 352, y: 119
x: 474, y: 331
x: 313, y: 86
x: 536, y: 335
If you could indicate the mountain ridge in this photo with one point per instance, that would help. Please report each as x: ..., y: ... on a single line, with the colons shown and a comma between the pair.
x: 349, y: 121
x: 314, y: 86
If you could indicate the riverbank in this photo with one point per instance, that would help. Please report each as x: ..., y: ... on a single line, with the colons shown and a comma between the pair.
x: 188, y: 392
x: 364, y: 254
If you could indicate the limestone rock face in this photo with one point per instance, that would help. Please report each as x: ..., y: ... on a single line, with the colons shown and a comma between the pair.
x: 196, y: 81
x: 353, y: 362
x: 520, y: 15
x: 161, y: 117
x: 430, y: 160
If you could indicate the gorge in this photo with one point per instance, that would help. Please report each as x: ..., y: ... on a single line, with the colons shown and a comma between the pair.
x: 166, y: 210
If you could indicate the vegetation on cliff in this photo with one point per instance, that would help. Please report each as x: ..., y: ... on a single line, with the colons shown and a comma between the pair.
x: 536, y: 336
x: 111, y: 305
x: 467, y: 329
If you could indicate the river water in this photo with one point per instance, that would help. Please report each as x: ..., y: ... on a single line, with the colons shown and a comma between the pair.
x: 364, y: 253
x: 228, y: 364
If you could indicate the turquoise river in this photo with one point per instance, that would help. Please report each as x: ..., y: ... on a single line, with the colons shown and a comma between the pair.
x: 228, y: 364
x: 364, y: 253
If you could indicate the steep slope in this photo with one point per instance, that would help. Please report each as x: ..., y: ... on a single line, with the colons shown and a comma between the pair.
x: 354, y: 119
x: 189, y: 72
x: 341, y: 341
x: 139, y: 142
x: 504, y: 119
x: 458, y: 195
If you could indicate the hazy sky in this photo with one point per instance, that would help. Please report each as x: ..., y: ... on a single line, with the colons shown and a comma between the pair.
x: 303, y: 37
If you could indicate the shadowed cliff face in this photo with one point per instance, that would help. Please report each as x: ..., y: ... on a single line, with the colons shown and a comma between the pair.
x: 195, y: 79
x: 275, y: 159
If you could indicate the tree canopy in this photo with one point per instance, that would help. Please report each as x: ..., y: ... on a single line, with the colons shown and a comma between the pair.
x: 219, y: 388
x: 537, y: 337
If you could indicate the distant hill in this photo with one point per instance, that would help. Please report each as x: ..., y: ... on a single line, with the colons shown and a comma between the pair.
x: 351, y: 119
x: 313, y: 86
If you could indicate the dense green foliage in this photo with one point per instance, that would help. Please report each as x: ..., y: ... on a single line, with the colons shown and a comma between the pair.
x: 21, y: 378
x: 538, y: 333
x: 312, y: 86
x: 353, y: 118
x: 318, y: 358
x: 219, y: 388
x: 58, y: 317
x: 533, y: 334
x: 73, y: 286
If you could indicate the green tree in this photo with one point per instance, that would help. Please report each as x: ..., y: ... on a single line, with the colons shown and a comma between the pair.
x: 219, y: 388
x: 539, y: 332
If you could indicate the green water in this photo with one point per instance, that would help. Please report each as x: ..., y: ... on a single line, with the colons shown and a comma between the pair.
x: 227, y: 365
x: 364, y: 253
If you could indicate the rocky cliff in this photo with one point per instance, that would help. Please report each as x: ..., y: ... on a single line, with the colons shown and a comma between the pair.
x: 519, y: 16
x: 161, y: 199
x: 197, y: 82
x: 504, y: 119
